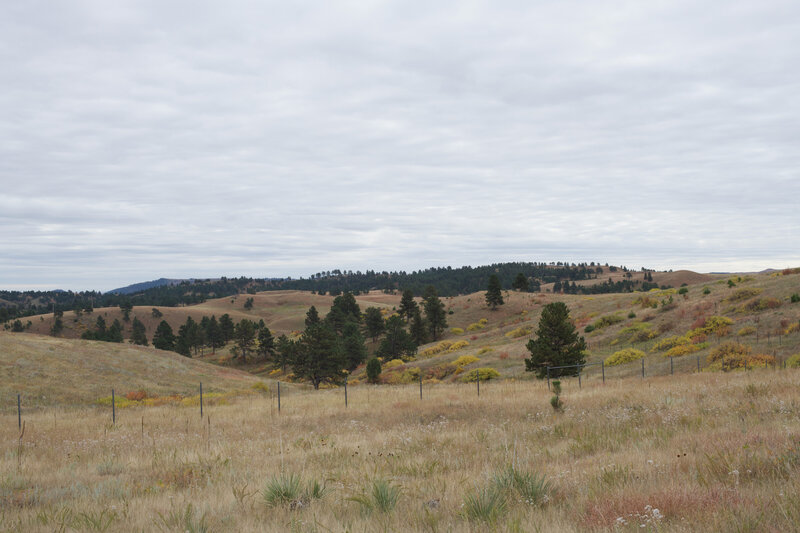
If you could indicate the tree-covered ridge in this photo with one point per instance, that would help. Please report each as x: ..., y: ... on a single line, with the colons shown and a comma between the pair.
x: 448, y: 281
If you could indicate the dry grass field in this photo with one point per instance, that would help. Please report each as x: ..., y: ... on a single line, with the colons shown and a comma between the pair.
x: 707, y: 452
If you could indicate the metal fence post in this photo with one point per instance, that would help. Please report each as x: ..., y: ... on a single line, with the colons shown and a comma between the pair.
x: 420, y: 386
x: 698, y: 363
x: 279, y: 396
x: 642, y: 368
x: 345, y: 391
x: 201, y: 399
x: 19, y: 412
x: 671, y: 367
x: 603, y: 368
x: 579, y: 381
x: 478, y: 381
x: 113, y: 408
x: 548, y: 378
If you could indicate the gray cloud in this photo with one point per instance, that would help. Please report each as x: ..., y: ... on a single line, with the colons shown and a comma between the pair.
x: 141, y: 139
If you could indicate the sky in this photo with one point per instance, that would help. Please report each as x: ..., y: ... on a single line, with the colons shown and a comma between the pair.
x: 151, y: 139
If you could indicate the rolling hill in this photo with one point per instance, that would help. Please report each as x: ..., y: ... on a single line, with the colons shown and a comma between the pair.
x: 52, y: 371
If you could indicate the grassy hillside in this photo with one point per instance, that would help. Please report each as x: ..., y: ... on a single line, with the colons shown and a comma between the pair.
x: 709, y: 452
x: 49, y: 371
x: 759, y: 307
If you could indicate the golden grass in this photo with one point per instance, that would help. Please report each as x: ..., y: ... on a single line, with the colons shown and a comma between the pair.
x: 50, y: 371
x: 703, y: 452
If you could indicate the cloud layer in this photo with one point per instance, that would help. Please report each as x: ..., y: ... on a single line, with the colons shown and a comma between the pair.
x: 194, y: 139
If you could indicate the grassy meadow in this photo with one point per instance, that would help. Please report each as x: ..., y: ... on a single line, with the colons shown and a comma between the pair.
x: 705, y: 452
x: 697, y: 451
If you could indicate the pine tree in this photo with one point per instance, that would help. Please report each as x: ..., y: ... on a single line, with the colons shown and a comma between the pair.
x: 227, y: 326
x: 373, y: 320
x: 163, y: 338
x: 138, y: 332
x: 245, y: 337
x: 373, y: 370
x: 556, y: 344
x: 521, y: 283
x: 115, y: 332
x: 353, y: 345
x: 397, y: 344
x: 214, y: 338
x: 319, y: 356
x: 407, y: 305
x: 266, y: 343
x: 435, y: 314
x: 285, y: 352
x: 312, y: 317
x: 417, y: 329
x: 494, y: 292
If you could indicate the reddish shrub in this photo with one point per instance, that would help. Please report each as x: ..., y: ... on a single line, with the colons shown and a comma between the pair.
x: 136, y: 396
x: 504, y: 355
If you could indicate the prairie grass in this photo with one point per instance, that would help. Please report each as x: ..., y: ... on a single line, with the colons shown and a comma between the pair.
x: 703, y: 451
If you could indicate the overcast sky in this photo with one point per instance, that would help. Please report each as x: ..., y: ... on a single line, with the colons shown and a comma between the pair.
x: 199, y: 139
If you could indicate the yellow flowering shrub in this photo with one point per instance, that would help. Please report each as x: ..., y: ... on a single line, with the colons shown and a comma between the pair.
x: 484, y: 374
x: 439, y: 348
x: 457, y: 331
x: 465, y: 360
x: 627, y: 355
x: 519, y: 332
x: 457, y: 346
x: 393, y: 363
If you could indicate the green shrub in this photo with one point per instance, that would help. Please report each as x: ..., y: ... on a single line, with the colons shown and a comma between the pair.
x: 631, y: 315
x: 382, y: 496
x: 282, y: 490
x: 706, y: 290
x: 627, y: 355
x: 588, y: 329
x: 373, y: 370
x: 795, y: 298
x: 484, y: 505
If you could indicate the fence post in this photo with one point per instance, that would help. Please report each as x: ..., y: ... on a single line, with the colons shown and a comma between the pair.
x: 345, y: 391
x: 671, y: 367
x: 113, y: 408
x: 548, y: 378
x: 698, y: 363
x: 420, y: 386
x: 279, y: 397
x: 642, y: 368
x: 579, y: 381
x: 603, y: 368
x: 478, y: 381
x: 19, y: 412
x: 201, y: 400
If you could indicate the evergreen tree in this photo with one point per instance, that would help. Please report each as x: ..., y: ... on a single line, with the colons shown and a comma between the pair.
x: 407, y: 305
x: 245, y: 337
x: 521, y: 283
x: 126, y: 308
x: 115, y: 332
x: 373, y: 320
x: 163, y: 338
x: 397, y: 344
x: 138, y: 332
x: 353, y: 348
x: 227, y: 327
x: 248, y: 304
x: 285, y: 352
x: 57, y: 328
x: 347, y: 304
x: 266, y: 343
x: 373, y: 370
x: 556, y: 344
x: 435, y: 314
x: 312, y: 317
x: 417, y: 329
x: 494, y: 292
x: 214, y: 337
x: 319, y: 356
